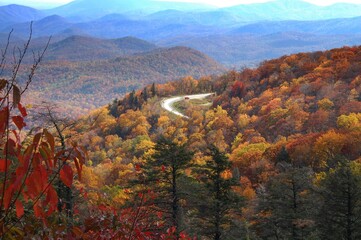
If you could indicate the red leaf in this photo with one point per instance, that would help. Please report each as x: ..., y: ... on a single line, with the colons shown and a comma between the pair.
x: 4, y: 165
x: 163, y: 168
x: 10, y: 147
x: 36, y: 139
x: 19, y: 122
x: 52, y: 200
x: 19, y: 209
x: 4, y: 114
x: 22, y: 110
x: 66, y: 175
x: 38, y: 210
x: 9, y: 192
x: 137, y: 167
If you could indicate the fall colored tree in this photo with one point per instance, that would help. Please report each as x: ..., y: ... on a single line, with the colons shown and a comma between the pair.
x: 29, y: 165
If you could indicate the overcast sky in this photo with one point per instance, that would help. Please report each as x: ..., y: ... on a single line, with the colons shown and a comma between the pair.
x: 220, y: 3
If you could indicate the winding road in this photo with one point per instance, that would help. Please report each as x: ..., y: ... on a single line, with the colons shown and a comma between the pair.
x: 167, y: 104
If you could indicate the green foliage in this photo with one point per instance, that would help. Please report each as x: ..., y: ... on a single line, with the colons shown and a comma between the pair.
x: 220, y: 204
x: 286, y: 205
x: 340, y: 190
x: 161, y: 173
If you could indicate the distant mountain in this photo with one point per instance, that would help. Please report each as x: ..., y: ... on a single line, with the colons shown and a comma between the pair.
x: 94, y: 8
x: 13, y: 13
x: 47, y: 26
x: 237, y: 50
x: 81, y: 48
x: 272, y: 10
x: 206, y: 18
x: 130, y: 45
x: 294, y: 10
x: 95, y: 83
x: 333, y: 26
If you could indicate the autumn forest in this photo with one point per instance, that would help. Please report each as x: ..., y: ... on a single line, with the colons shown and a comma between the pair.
x: 123, y: 138
x: 275, y: 156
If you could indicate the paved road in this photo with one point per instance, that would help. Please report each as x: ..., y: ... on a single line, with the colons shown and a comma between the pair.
x: 167, y: 104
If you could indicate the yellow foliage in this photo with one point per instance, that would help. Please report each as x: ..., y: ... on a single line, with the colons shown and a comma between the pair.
x: 349, y: 121
x: 328, y: 146
x: 227, y: 174
x: 325, y: 104
x: 243, y: 120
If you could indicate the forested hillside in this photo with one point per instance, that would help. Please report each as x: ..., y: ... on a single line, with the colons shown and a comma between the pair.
x: 291, y: 130
x: 78, y: 86
x: 277, y: 156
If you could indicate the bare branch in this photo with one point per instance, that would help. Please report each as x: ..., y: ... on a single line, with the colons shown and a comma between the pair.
x: 4, y: 52
x: 35, y: 65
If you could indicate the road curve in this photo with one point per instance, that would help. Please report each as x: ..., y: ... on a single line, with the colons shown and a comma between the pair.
x: 167, y: 104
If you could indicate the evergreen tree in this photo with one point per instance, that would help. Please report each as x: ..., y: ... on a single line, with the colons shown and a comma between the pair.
x: 287, y: 204
x: 220, y: 202
x: 161, y: 174
x: 153, y: 90
x: 113, y: 108
x: 131, y: 99
x: 339, y: 217
x: 136, y: 103
x: 145, y: 94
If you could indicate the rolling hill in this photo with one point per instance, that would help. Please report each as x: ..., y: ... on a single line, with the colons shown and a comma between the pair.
x: 294, y: 10
x: 13, y: 13
x: 80, y: 86
x: 92, y: 9
x: 240, y: 50
x: 81, y: 48
x: 333, y: 26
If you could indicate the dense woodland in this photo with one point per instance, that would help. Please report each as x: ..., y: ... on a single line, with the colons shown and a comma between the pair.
x: 277, y: 156
x: 78, y: 79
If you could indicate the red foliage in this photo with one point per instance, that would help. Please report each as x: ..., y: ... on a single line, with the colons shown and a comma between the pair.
x: 29, y: 170
x: 238, y: 89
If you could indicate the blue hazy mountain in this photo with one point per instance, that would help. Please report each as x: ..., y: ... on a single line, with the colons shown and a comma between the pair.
x: 207, y: 18
x: 332, y: 26
x: 161, y: 25
x: 95, y: 8
x: 13, y: 13
x: 248, y: 50
x: 222, y: 33
x: 50, y: 25
x: 82, y: 48
x: 294, y: 10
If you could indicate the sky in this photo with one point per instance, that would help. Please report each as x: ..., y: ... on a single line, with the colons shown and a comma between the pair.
x: 220, y: 3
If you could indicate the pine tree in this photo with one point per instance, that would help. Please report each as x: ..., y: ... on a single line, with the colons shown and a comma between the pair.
x: 153, y: 90
x: 145, y: 94
x: 161, y: 173
x: 220, y: 201
x: 113, y: 108
x: 131, y: 99
x: 339, y: 217
x: 286, y: 203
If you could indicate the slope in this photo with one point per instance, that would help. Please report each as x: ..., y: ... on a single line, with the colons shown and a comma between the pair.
x: 80, y: 48
x: 13, y: 13
x: 80, y: 86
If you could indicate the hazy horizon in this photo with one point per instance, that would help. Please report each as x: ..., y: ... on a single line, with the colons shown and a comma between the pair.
x: 224, y: 3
